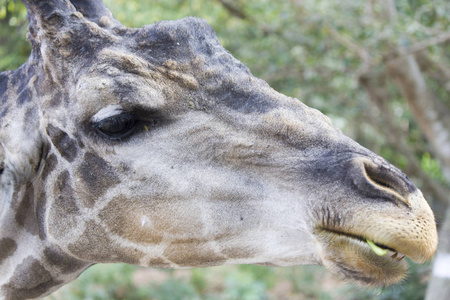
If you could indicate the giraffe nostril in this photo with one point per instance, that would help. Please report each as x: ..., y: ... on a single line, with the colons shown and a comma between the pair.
x: 387, y: 181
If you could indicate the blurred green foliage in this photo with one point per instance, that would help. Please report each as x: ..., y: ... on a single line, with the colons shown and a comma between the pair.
x: 244, y: 282
x: 14, y: 49
x: 431, y: 166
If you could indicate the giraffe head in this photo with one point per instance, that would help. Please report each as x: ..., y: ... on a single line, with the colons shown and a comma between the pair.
x: 156, y: 147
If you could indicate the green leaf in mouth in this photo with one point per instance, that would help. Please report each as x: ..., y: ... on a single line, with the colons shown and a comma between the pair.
x: 377, y: 250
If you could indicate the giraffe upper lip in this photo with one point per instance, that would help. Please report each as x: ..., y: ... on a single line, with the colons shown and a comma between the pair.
x: 395, y: 250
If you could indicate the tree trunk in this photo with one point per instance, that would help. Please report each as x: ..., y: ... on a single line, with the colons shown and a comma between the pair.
x: 433, y: 118
x: 439, y: 285
x: 431, y: 113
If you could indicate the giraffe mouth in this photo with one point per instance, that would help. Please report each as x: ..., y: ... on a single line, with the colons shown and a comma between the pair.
x: 377, y: 248
x: 358, y: 258
x: 382, y: 251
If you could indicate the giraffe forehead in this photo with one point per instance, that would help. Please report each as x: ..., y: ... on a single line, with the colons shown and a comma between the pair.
x: 158, y: 63
x: 108, y: 86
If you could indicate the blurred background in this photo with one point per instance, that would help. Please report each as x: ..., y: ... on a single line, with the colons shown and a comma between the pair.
x: 380, y: 69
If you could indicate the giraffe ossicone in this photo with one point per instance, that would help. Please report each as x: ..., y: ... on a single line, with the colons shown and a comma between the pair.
x: 155, y: 147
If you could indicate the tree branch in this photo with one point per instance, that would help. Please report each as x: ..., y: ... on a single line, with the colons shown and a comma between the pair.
x: 234, y: 10
x: 417, y: 47
x: 439, y: 72
x: 351, y: 45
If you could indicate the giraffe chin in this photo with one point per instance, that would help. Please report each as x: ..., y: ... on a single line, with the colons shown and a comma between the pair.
x: 353, y: 259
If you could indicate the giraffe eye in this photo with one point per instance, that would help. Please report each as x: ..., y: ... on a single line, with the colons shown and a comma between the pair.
x: 116, y: 127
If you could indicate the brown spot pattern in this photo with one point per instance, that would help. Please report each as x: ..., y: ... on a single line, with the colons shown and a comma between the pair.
x: 97, y: 175
x: 30, y: 280
x: 95, y: 245
x: 50, y: 164
x: 65, y: 145
x: 41, y: 208
x: 66, y: 263
x: 24, y: 214
x: 238, y: 252
x: 24, y: 96
x: 158, y: 263
x: 124, y: 216
x: 191, y: 253
x: 127, y: 225
x: 7, y: 248
x: 64, y: 209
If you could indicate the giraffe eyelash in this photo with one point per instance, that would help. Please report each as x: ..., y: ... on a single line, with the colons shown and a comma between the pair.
x: 117, y: 124
x: 107, y: 112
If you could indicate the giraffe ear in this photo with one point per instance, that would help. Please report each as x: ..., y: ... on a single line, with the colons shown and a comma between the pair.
x: 97, y: 12
x: 62, y: 31
x: 18, y: 166
x: 46, y: 19
x: 52, y: 20
x: 21, y: 151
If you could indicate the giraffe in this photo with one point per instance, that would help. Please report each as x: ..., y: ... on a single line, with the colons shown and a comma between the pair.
x: 156, y: 147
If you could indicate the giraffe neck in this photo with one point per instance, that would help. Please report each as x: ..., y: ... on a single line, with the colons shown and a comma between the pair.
x: 30, y: 265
